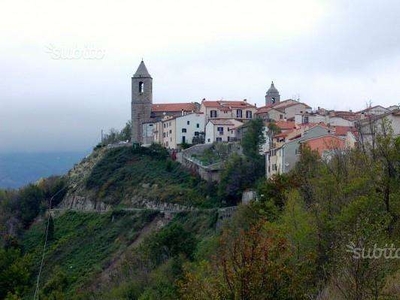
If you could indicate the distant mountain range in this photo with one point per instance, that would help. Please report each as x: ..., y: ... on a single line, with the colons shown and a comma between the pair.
x: 19, y: 169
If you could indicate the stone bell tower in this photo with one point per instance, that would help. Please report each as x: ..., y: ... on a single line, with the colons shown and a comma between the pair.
x: 272, y: 96
x: 142, y: 99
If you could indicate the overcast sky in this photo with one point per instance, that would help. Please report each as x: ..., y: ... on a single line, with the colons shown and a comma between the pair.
x: 65, y: 67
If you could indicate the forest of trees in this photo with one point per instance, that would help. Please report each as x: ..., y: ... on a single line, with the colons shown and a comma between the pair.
x: 298, y: 240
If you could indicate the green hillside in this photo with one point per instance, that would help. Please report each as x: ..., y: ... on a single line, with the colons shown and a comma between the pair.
x: 326, y: 230
x: 147, y: 173
x: 81, y: 245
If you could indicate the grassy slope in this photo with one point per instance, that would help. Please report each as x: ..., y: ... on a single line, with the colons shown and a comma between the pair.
x: 84, y: 242
x: 124, y: 174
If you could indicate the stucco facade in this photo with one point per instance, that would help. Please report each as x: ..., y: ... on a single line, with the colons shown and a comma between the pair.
x: 286, y: 157
x: 222, y: 109
x: 220, y: 130
x: 178, y: 130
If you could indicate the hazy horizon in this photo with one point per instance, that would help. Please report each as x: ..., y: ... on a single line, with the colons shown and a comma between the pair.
x: 66, y: 67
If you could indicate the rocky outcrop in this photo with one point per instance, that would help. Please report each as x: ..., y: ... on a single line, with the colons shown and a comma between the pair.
x: 75, y: 202
x: 161, y: 206
x: 78, y: 197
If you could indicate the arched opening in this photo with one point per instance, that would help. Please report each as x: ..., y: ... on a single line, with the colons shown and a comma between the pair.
x: 141, y: 87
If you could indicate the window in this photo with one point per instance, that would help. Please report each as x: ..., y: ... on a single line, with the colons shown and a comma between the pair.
x: 274, y: 167
x: 197, y: 125
x: 196, y: 133
x: 165, y: 125
x: 141, y: 87
x: 170, y: 131
x: 239, y: 113
x: 280, y: 116
x: 183, y: 130
x: 218, y: 139
x: 220, y: 130
x: 249, y: 114
x: 208, y: 140
x: 183, y: 140
x: 188, y: 122
x: 163, y: 134
x: 213, y: 114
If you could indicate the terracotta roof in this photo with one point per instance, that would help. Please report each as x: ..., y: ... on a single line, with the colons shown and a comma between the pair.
x: 342, y: 130
x: 285, y: 125
x: 268, y: 108
x: 227, y: 105
x: 321, y: 124
x: 347, y: 115
x: 284, y: 134
x: 173, y: 107
x: 325, y: 142
x: 287, y: 103
x: 280, y: 106
x: 169, y: 118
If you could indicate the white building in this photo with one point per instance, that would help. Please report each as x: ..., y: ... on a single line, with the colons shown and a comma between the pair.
x: 224, y: 109
x: 374, y: 110
x: 179, y: 130
x: 219, y: 130
x: 314, y: 118
x: 340, y: 121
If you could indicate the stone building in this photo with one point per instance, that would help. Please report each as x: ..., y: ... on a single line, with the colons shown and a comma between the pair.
x: 142, y: 100
x: 272, y: 96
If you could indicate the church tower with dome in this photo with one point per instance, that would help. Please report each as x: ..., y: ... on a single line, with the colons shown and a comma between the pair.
x: 272, y: 95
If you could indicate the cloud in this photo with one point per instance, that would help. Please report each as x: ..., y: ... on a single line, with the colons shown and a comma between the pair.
x: 336, y: 54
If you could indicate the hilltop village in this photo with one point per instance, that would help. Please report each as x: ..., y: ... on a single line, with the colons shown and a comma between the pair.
x: 133, y: 222
x: 289, y: 124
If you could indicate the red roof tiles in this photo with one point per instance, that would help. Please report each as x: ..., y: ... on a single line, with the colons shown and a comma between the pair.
x: 227, y: 105
x: 169, y: 107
